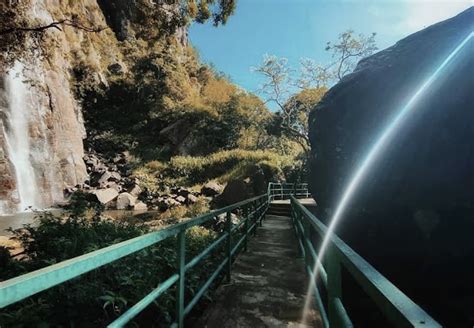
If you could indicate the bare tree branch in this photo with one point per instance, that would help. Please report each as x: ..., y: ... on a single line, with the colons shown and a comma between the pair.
x: 56, y: 24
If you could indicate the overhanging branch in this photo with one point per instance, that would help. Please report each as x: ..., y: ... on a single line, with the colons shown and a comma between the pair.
x: 56, y: 25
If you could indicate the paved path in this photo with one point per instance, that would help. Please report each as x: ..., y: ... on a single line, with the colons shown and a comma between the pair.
x: 268, y: 283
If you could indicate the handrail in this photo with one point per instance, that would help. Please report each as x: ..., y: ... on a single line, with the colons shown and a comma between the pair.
x: 283, y: 190
x: 21, y: 287
x: 393, y: 303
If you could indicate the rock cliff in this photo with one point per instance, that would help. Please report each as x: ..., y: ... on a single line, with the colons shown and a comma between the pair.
x: 41, y: 123
x: 415, y: 207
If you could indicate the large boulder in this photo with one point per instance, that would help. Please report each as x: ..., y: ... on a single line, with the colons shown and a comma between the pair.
x: 125, y: 201
x: 235, y: 191
x: 211, y: 189
x: 414, y: 208
x: 105, y: 196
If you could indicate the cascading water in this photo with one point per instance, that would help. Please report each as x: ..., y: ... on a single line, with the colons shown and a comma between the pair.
x: 381, y: 143
x: 18, y: 139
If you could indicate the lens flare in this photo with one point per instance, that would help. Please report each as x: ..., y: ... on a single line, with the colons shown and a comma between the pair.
x: 376, y: 150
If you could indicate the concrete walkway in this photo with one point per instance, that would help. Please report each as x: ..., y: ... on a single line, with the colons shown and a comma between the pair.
x: 268, y: 283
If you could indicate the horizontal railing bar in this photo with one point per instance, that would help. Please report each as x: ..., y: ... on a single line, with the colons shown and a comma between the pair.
x: 205, y: 252
x: 201, y: 291
x: 317, y: 295
x: 321, y: 269
x: 21, y: 287
x: 401, y: 310
x: 144, y: 302
x: 238, y: 226
x: 397, y: 307
x: 18, y: 288
x: 237, y: 245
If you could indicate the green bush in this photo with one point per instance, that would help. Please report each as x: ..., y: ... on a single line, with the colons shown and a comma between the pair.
x: 222, y: 166
x: 98, y: 297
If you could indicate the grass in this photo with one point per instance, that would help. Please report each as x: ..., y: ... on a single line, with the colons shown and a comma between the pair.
x: 221, y: 166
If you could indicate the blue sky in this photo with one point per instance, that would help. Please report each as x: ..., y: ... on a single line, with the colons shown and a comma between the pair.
x: 301, y: 28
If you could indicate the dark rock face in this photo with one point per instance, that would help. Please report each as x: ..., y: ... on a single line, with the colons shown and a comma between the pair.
x: 414, y: 210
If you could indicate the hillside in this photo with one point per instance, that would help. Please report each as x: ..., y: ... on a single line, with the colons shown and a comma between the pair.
x: 105, y: 78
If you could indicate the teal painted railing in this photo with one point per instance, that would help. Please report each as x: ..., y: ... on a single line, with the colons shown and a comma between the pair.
x: 254, y: 209
x: 283, y: 190
x: 396, y: 306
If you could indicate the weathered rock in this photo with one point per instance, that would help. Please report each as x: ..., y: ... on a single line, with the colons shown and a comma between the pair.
x: 109, y: 176
x: 181, y: 199
x: 125, y: 201
x: 105, y: 196
x: 183, y: 192
x: 140, y: 206
x: 135, y: 190
x: 191, y: 199
x: 211, y: 189
x: 428, y: 167
x: 234, y: 192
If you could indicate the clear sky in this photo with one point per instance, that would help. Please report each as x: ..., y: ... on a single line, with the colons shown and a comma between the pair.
x: 301, y: 28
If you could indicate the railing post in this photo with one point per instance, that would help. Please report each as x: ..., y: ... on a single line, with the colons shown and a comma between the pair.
x: 334, y: 285
x: 229, y: 244
x: 306, y: 237
x: 181, y: 252
x: 246, y: 226
x: 255, y: 217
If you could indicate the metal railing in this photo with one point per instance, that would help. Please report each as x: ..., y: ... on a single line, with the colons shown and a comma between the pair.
x: 283, y: 190
x: 21, y: 287
x: 395, y: 306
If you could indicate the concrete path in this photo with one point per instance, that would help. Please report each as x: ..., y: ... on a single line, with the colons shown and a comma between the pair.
x: 268, y: 283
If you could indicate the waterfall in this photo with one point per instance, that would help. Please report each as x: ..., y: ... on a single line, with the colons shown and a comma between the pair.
x: 17, y: 136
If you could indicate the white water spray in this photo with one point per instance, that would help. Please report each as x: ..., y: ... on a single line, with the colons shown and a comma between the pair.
x: 18, y: 139
x: 375, y: 151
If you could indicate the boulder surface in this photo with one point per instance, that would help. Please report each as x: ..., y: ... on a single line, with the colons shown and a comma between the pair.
x: 414, y: 209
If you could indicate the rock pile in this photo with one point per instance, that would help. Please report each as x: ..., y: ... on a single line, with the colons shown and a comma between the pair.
x: 112, y: 184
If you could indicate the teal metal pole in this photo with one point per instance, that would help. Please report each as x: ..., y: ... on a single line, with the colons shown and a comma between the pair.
x: 181, y: 281
x: 246, y: 226
x: 334, y: 286
x: 229, y: 245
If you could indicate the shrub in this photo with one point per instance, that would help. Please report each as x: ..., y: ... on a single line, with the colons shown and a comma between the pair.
x: 222, y: 166
x: 98, y: 297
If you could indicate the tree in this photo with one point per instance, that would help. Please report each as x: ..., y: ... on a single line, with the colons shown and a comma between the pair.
x: 313, y: 75
x: 300, y: 104
x: 348, y: 49
x: 219, y: 10
x: 313, y: 80
x: 276, y: 89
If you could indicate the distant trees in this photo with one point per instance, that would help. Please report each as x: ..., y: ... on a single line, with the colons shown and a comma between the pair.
x: 295, y: 96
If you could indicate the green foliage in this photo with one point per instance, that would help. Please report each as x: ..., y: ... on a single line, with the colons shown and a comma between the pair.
x: 223, y: 166
x: 100, y: 296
